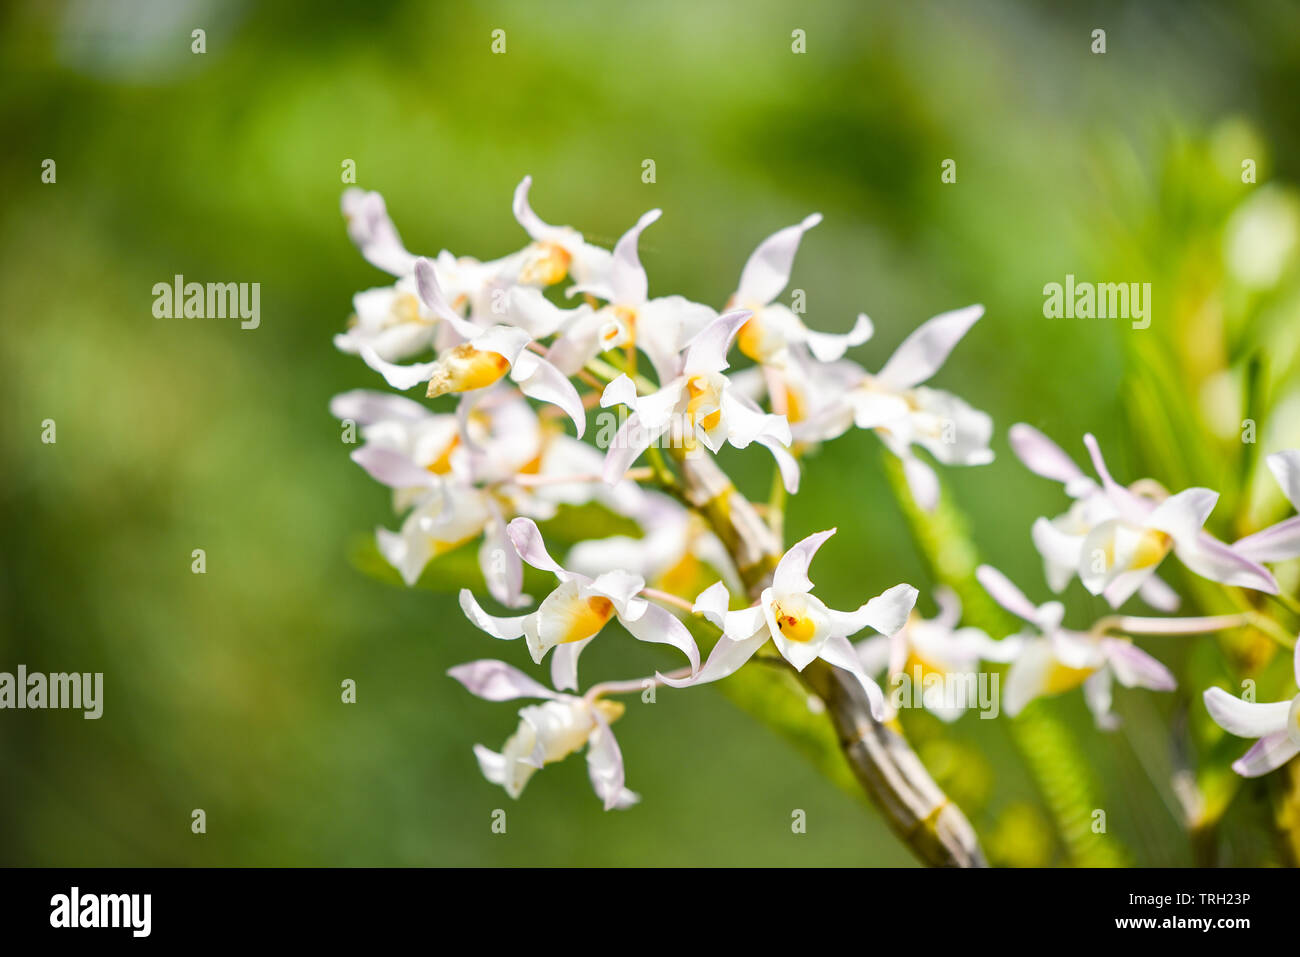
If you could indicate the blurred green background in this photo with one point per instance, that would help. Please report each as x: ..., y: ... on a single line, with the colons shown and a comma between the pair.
x: 222, y: 690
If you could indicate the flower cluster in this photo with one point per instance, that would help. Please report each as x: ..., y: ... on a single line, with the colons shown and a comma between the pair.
x: 528, y: 344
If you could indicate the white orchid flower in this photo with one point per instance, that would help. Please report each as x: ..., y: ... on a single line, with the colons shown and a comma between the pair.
x: 1122, y: 552
x: 448, y: 516
x: 483, y: 359
x: 674, y: 549
x: 556, y: 251
x: 562, y: 725
x: 658, y: 327
x: 700, y: 404
x: 1276, y: 725
x: 390, y: 320
x: 1052, y: 660
x: 797, y: 622
x: 773, y: 327
x: 926, y: 647
x: 904, y: 413
x: 1060, y: 541
x: 576, y: 611
x: 1279, y: 542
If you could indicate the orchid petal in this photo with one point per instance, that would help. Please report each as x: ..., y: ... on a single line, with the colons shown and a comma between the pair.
x: 564, y: 664
x: 540, y: 380
x: 627, y: 279
x: 791, y: 574
x: 495, y: 680
x: 1245, y: 719
x: 838, y: 652
x: 1277, y: 543
x: 921, y: 481
x: 527, y: 539
x: 502, y: 569
x: 660, y: 625
x: 426, y: 281
x: 786, y: 463
x: 1285, y: 467
x: 1041, y: 455
x: 1269, y: 753
x: 1006, y: 594
x: 707, y: 352
x: 830, y: 346
x: 605, y: 766
x: 1134, y: 668
x: 727, y: 656
x: 365, y: 406
x: 392, y: 468
x: 887, y: 613
x: 923, y: 352
x: 507, y: 629
x: 400, y: 377
x: 767, y: 271
x: 1159, y: 595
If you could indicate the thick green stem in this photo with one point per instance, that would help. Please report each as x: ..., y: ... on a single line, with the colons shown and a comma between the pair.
x: 879, y: 755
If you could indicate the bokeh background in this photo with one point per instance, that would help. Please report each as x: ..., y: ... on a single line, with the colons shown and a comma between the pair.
x: 222, y: 690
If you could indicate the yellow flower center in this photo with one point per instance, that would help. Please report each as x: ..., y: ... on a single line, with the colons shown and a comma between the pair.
x: 1152, y: 548
x: 702, y: 394
x: 549, y: 266
x: 465, y: 368
x: 588, y: 618
x: 442, y: 464
x: 1061, y: 678
x: 794, y: 626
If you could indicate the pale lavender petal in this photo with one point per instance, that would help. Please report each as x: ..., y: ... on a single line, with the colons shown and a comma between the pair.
x: 1134, y: 668
x: 527, y: 539
x: 426, y: 282
x: 1041, y: 455
x: 605, y: 766
x: 1212, y: 559
x: 923, y: 352
x: 1131, y: 508
x: 392, y: 468
x: 768, y: 270
x: 495, y: 680
x: 1277, y: 543
x: 365, y: 406
x: 1006, y: 594
x: 1268, y: 754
